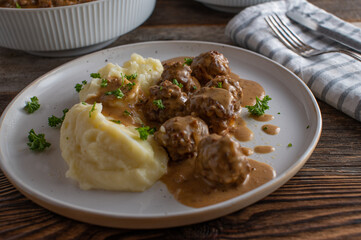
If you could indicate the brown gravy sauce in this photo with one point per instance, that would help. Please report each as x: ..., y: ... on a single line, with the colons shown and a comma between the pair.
x: 264, y: 149
x: 271, y: 129
x: 194, y: 192
x: 263, y: 118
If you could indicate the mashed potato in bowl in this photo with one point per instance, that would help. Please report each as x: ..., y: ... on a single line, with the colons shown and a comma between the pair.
x: 105, y: 154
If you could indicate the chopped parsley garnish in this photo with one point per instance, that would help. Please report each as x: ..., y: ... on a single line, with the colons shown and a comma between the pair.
x: 116, y: 121
x: 55, y: 121
x: 308, y: 126
x: 265, y: 128
x: 145, y: 131
x: 117, y: 93
x: 278, y: 113
x: 33, y: 105
x: 95, y: 75
x: 161, y: 87
x: 131, y: 77
x: 159, y: 103
x: 37, y: 142
x: 130, y: 86
x: 289, y: 145
x: 84, y: 103
x: 260, y: 107
x: 79, y: 86
x: 92, y: 110
x: 188, y: 61
x: 177, y: 83
x: 17, y: 5
x: 104, y: 83
x: 126, y: 112
x: 195, y: 87
x: 219, y: 85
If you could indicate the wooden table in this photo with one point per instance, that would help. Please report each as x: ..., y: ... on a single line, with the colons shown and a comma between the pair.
x: 323, y: 201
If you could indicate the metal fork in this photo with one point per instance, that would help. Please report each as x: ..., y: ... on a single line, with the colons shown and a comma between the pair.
x: 292, y: 41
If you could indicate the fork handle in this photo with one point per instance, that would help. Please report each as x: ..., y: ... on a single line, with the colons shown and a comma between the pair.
x: 351, y: 54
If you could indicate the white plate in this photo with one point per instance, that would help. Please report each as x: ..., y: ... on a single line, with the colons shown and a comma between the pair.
x: 41, y: 176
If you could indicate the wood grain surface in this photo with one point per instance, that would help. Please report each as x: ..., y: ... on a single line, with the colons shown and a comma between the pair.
x: 323, y: 201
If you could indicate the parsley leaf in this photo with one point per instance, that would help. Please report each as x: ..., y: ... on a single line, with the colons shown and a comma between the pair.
x: 116, y: 121
x: 79, y: 86
x: 92, y: 110
x: 260, y: 107
x: 159, y: 103
x: 177, y: 83
x: 55, y: 121
x: 130, y: 85
x: 95, y: 75
x: 144, y: 131
x: 37, y: 142
x: 131, y: 77
x: 126, y: 112
x: 118, y: 93
x: 188, y: 61
x: 289, y: 145
x: 219, y: 85
x: 104, y: 83
x: 33, y: 105
x: 17, y: 5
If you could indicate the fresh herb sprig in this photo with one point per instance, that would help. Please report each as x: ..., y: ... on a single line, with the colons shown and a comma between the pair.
x: 260, y: 107
x: 158, y: 103
x: 79, y: 86
x: 131, y: 76
x: 188, y: 61
x: 117, y: 93
x: 37, y: 142
x: 33, y: 105
x: 145, y: 131
x: 180, y: 85
x: 55, y: 121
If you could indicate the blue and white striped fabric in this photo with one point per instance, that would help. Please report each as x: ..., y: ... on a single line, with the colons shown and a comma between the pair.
x: 334, y: 78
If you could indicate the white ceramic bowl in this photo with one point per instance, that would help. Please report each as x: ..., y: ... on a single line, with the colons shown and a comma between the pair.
x: 71, y: 30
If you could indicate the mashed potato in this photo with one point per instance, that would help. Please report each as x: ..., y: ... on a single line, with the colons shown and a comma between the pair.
x: 148, y: 72
x: 102, y: 154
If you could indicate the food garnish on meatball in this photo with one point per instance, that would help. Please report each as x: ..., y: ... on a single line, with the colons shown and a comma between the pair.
x: 166, y: 100
x: 180, y: 74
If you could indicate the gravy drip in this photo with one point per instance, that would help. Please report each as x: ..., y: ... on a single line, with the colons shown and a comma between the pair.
x: 271, y: 129
x: 264, y: 149
x: 263, y: 118
x: 194, y: 192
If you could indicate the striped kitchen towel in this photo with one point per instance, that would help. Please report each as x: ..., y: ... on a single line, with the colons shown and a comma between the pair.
x: 334, y: 78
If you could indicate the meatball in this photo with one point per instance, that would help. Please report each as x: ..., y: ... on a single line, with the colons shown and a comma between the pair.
x: 182, y: 74
x: 220, y: 161
x: 181, y: 135
x: 165, y: 101
x: 230, y: 84
x: 209, y: 65
x: 214, y: 105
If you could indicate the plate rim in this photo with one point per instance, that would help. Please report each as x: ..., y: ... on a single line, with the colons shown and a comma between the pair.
x: 166, y: 220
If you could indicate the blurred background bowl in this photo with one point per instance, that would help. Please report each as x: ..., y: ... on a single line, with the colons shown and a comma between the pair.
x: 231, y: 6
x: 71, y: 30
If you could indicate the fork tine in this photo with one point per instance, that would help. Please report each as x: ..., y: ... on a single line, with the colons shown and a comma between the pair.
x: 290, y: 32
x: 280, y: 27
x: 271, y: 23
